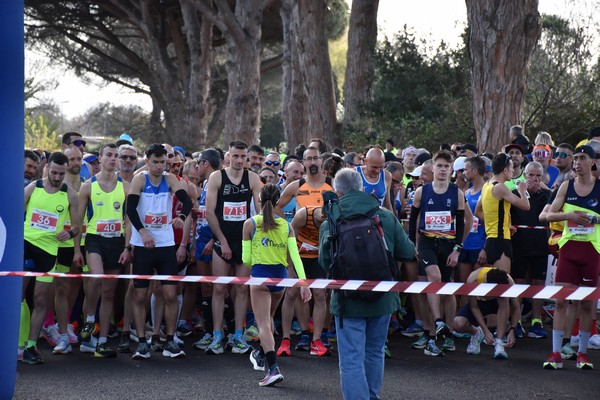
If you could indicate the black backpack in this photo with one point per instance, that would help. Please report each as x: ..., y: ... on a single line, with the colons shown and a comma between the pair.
x: 361, y: 253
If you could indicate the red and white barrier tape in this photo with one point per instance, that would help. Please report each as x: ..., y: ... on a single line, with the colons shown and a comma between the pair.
x: 452, y: 288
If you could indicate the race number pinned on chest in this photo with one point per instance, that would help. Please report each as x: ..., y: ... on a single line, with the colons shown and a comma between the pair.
x: 109, y: 227
x: 44, y: 220
x: 155, y: 221
x: 234, y: 211
x: 438, y: 221
x: 475, y: 226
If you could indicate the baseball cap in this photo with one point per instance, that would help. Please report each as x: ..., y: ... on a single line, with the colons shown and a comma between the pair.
x: 125, y: 136
x: 594, y: 133
x: 586, y: 150
x: 468, y: 146
x: 179, y: 149
x: 488, y: 163
x: 514, y: 146
x: 416, y: 172
x: 421, y: 158
x: 459, y: 163
x: 90, y: 158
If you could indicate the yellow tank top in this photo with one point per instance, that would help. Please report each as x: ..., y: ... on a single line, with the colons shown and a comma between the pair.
x: 45, y: 217
x: 482, y: 273
x: 496, y: 213
x: 105, y: 213
x: 270, y: 248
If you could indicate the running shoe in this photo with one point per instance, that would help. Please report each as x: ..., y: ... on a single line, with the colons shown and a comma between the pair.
x: 583, y: 362
x: 124, y: 344
x: 594, y: 342
x: 567, y: 352
x: 157, y: 345
x: 229, y: 343
x: 112, y: 332
x: 173, y: 350
x: 461, y: 335
x: 251, y: 333
x: 273, y: 377
x: 421, y: 342
x: 325, y: 340
x: 20, y: 352
x: 179, y: 341
x: 197, y: 322
x: 394, y: 325
x: 549, y: 309
x: 31, y: 356
x: 184, y: 329
x: 432, y: 350
x: 215, y: 347
x: 51, y: 334
x: 133, y: 335
x: 63, y: 347
x: 537, y: 331
x: 142, y: 352
x: 499, y: 352
x: 203, y: 343
x: 386, y: 350
x: 284, y: 348
x: 89, y: 346
x: 303, y: 344
x: 318, y: 349
x: 240, y: 346
x: 87, y: 331
x: 448, y: 344
x: 519, y: 331
x: 555, y: 361
x: 474, y: 346
x: 332, y: 334
x: 257, y: 360
x: 71, y: 332
x: 442, y: 329
x: 413, y: 330
x: 295, y: 330
x: 103, y: 350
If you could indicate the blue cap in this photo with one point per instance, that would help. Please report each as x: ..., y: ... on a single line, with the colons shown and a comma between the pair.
x: 90, y: 158
x: 179, y: 149
x: 126, y: 137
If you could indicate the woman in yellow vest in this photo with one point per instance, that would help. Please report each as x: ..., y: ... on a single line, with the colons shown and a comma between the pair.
x: 267, y: 240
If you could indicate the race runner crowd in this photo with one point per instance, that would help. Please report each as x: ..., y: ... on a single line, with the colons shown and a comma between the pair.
x: 245, y: 211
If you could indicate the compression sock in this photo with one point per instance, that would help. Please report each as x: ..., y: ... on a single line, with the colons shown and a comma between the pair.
x: 25, y: 323
x: 584, y: 338
x: 271, y: 358
x: 557, y: 337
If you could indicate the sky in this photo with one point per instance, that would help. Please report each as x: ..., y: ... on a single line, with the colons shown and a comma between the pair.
x: 431, y: 19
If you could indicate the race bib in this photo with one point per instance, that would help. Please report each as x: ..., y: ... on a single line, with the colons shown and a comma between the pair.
x: 155, y: 221
x: 475, y: 227
x: 308, y: 248
x: 438, y: 221
x: 202, y: 216
x: 43, y: 220
x: 234, y: 211
x: 108, y: 227
x: 575, y: 229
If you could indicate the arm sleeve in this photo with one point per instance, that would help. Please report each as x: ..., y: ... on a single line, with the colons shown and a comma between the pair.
x: 185, y: 200
x: 132, y: 202
x: 295, y: 256
x: 460, y: 225
x: 412, y: 223
x: 247, y: 252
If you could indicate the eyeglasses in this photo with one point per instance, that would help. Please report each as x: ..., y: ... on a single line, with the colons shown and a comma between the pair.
x: 78, y: 142
x: 201, y: 161
x: 272, y: 163
x: 562, y: 154
x: 541, y: 153
x: 311, y: 159
x: 130, y: 158
x: 170, y: 155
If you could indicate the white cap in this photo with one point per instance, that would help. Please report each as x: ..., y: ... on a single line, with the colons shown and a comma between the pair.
x: 459, y: 163
x: 416, y: 172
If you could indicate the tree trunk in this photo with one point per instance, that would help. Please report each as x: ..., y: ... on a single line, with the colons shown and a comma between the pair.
x: 362, y: 38
x: 294, y: 114
x: 503, y: 36
x: 316, y: 71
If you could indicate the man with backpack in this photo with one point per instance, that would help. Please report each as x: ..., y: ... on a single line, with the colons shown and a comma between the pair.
x: 361, y: 317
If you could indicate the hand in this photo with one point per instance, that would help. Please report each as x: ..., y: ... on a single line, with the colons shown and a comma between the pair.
x: 522, y: 187
x: 125, y: 257
x: 579, y: 217
x: 78, y: 259
x: 482, y: 258
x: 181, y: 254
x: 225, y: 250
x: 489, y: 337
x: 147, y: 239
x: 177, y: 223
x: 63, y: 235
x: 305, y: 294
x: 512, y: 230
x: 452, y: 259
x: 510, y: 340
x: 208, y: 248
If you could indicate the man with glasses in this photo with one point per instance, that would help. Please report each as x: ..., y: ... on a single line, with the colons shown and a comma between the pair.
x: 564, y: 163
x: 409, y: 154
x: 74, y: 139
x: 352, y: 160
x: 127, y: 161
x: 376, y: 180
x: 542, y: 153
x: 272, y: 161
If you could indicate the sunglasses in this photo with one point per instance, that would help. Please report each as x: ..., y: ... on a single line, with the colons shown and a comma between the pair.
x: 130, y: 158
x: 541, y: 153
x: 170, y: 155
x: 272, y: 163
x: 562, y: 154
x: 78, y: 142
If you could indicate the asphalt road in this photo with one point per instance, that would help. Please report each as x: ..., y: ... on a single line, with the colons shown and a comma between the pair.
x: 409, y: 374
